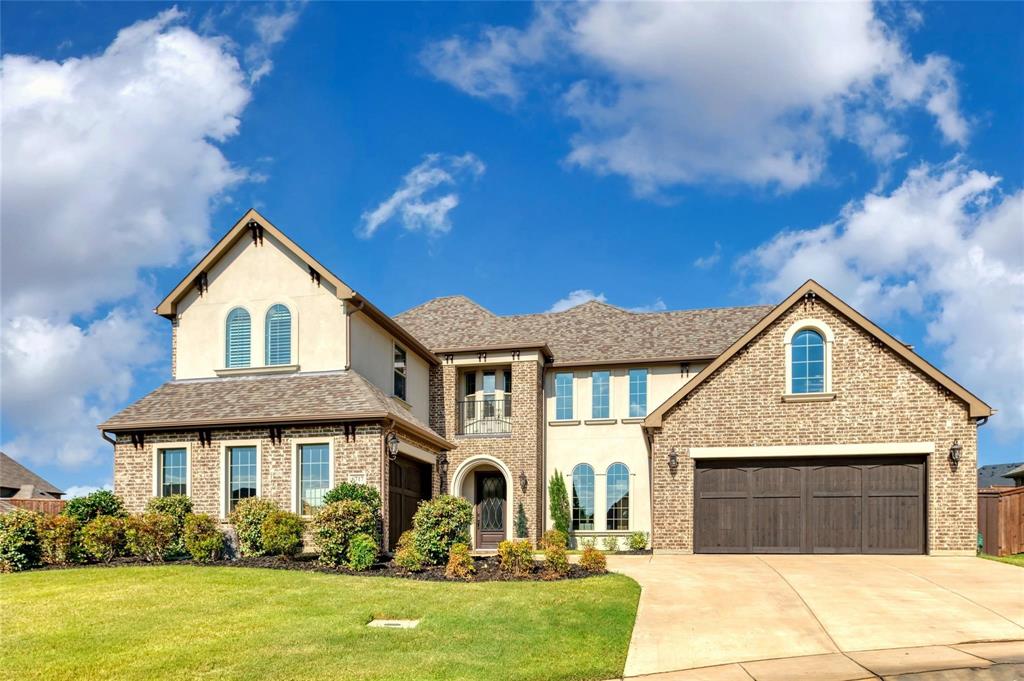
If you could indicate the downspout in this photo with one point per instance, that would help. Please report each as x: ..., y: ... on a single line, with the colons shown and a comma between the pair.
x: 648, y: 440
x: 543, y: 492
x: 108, y: 438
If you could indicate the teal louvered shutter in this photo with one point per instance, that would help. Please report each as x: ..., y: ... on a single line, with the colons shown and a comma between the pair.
x: 239, y: 339
x: 279, y: 335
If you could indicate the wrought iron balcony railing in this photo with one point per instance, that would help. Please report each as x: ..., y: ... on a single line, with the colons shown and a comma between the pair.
x: 485, y: 416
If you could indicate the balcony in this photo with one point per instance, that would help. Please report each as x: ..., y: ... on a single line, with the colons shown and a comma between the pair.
x: 487, y: 416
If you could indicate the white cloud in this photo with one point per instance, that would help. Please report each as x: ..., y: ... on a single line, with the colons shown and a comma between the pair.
x: 577, y: 297
x: 677, y: 93
x: 83, y: 490
x: 417, y: 203
x: 706, y: 262
x: 945, y: 246
x: 657, y: 306
x: 271, y: 29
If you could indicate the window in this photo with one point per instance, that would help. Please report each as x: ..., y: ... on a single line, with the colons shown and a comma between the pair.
x: 173, y: 470
x: 314, y: 468
x: 618, y: 497
x: 508, y: 392
x: 279, y: 335
x: 241, y: 474
x: 637, y: 393
x: 489, y: 387
x: 239, y: 339
x: 471, y: 395
x: 582, y: 497
x: 399, y: 372
x: 600, y: 407
x: 563, y: 396
x: 808, y: 362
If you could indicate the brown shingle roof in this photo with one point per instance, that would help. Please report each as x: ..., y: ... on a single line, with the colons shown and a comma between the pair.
x: 13, y: 474
x: 242, y: 400
x: 591, y: 332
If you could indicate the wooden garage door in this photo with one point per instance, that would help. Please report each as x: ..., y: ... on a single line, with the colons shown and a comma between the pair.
x: 855, y: 505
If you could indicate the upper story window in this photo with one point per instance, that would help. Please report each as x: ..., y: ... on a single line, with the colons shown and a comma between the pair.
x: 563, y: 396
x: 583, y: 497
x: 400, y: 369
x: 600, y: 407
x: 507, y: 387
x: 279, y: 335
x: 239, y: 339
x: 808, y: 345
x: 637, y: 393
x: 618, y: 497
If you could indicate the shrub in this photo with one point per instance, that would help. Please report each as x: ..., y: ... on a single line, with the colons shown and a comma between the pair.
x: 516, y: 557
x: 556, y: 562
x: 248, y: 518
x: 103, y: 537
x: 59, y: 540
x: 337, y: 524
x: 203, y: 539
x: 149, y: 535
x: 19, y: 540
x: 560, y: 514
x: 178, y: 506
x: 587, y: 543
x: 520, y: 524
x: 611, y: 544
x: 554, y: 538
x: 460, y: 563
x: 362, y: 552
x: 638, y: 541
x: 440, y: 523
x: 354, y: 491
x: 407, y: 556
x: 282, y: 534
x: 593, y: 560
x: 100, y: 502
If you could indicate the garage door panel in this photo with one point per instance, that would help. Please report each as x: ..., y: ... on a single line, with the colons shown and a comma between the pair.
x: 726, y: 525
x: 777, y: 480
x: 776, y: 525
x: 724, y: 480
x: 894, y: 478
x: 893, y: 525
x: 836, y: 524
x: 835, y: 479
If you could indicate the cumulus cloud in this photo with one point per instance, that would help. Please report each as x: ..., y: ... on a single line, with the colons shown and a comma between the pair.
x: 423, y: 200
x: 577, y: 297
x: 666, y: 94
x: 945, y: 246
x: 84, y: 490
x: 706, y: 262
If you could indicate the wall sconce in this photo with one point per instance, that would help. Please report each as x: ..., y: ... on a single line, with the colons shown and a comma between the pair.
x: 955, y: 452
x: 522, y: 481
x: 442, y: 470
x: 392, y: 444
x: 673, y: 459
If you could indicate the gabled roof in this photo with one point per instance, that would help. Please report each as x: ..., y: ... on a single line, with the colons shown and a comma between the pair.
x: 976, y: 408
x: 14, y: 475
x: 1015, y: 473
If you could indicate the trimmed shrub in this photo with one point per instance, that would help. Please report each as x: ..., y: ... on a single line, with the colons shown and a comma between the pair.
x: 203, y: 539
x: 100, y: 502
x: 178, y: 506
x: 282, y: 534
x: 149, y: 535
x: 337, y: 524
x: 440, y: 523
x: 407, y: 556
x: 248, y: 518
x: 103, y: 537
x: 362, y: 552
x: 59, y: 540
x: 516, y: 557
x: 560, y: 513
x: 354, y: 491
x: 587, y: 543
x: 520, y: 524
x: 554, y: 538
x: 593, y: 560
x: 556, y: 562
x: 638, y: 541
x: 611, y: 544
x: 460, y: 563
x: 19, y: 540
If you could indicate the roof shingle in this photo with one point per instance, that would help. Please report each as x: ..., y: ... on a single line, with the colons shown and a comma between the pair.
x: 14, y: 475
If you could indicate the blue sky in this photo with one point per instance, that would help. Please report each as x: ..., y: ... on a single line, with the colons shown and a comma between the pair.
x: 657, y: 156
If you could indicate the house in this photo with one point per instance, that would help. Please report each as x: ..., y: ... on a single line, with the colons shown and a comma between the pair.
x: 21, y: 485
x: 1016, y: 475
x: 1000, y: 475
x: 800, y: 427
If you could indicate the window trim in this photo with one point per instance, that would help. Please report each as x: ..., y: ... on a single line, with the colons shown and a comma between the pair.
x: 828, y: 336
x: 572, y: 395
x: 629, y: 496
x: 297, y: 442
x: 225, y: 338
x: 225, y: 492
x: 292, y: 336
x: 629, y: 392
x: 157, y: 448
x: 611, y: 399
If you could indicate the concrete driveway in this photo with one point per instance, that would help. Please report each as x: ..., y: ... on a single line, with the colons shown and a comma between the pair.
x: 700, y: 611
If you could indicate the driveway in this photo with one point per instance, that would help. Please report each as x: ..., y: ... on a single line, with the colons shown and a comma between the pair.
x: 704, y: 610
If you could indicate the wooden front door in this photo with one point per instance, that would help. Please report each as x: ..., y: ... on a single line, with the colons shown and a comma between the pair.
x: 408, y: 485
x: 490, y: 510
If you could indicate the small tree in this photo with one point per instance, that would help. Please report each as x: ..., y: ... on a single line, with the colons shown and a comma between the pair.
x: 560, y: 514
x: 521, y: 529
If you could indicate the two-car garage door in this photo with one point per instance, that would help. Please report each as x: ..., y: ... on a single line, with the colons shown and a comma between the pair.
x: 805, y: 505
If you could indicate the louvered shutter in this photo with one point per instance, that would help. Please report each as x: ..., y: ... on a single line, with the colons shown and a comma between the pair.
x: 239, y: 339
x: 279, y: 335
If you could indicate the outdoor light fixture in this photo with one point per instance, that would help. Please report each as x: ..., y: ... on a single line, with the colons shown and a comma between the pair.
x: 522, y: 480
x: 392, y: 443
x: 673, y: 459
x: 954, y: 453
x: 442, y: 469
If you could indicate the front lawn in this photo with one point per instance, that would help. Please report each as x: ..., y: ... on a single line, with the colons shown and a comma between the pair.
x: 234, y: 623
x: 1016, y: 559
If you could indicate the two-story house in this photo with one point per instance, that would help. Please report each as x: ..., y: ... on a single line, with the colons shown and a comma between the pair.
x: 801, y: 427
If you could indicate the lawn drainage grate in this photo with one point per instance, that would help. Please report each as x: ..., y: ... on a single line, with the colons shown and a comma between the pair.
x: 394, y: 624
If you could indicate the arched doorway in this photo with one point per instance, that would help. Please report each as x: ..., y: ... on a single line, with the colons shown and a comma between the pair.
x: 486, y: 483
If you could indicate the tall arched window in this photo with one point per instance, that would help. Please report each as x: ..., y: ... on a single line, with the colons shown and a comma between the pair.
x: 808, y: 362
x: 239, y: 339
x: 279, y: 335
x: 618, y: 497
x: 583, y: 497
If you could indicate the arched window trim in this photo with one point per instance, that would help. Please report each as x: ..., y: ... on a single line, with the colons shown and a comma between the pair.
x: 228, y: 363
x: 291, y: 335
x: 825, y: 331
x: 578, y: 471
x: 629, y: 497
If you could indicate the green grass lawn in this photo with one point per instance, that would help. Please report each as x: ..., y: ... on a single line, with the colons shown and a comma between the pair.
x: 1016, y: 559
x: 239, y: 623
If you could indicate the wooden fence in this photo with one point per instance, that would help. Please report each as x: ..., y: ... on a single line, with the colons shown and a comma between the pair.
x: 1001, y: 520
x: 47, y: 506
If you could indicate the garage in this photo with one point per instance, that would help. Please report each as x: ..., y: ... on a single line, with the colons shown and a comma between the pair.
x: 810, y: 505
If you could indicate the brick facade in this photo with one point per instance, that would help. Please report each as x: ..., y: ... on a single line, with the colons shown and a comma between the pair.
x: 879, y: 398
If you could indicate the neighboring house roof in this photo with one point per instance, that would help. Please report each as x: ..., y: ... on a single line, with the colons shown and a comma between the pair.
x: 1015, y: 473
x: 591, y: 333
x: 16, y: 476
x: 266, y: 400
x: 999, y: 474
x: 976, y: 408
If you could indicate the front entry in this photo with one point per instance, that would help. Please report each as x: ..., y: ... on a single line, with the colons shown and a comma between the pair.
x: 490, y: 510
x: 408, y: 485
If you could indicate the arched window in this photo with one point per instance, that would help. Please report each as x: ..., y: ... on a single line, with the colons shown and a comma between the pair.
x: 618, y: 497
x: 279, y: 335
x: 239, y: 339
x: 808, y: 362
x: 582, y: 497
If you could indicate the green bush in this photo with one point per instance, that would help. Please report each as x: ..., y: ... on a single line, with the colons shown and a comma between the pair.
x: 247, y: 519
x: 460, y: 563
x: 100, y: 502
x: 354, y: 491
x: 638, y: 541
x: 556, y: 562
x: 282, y: 534
x: 407, y: 556
x: 520, y: 524
x: 59, y: 539
x: 337, y: 524
x: 554, y: 538
x: 587, y: 543
x: 439, y: 524
x: 593, y: 560
x: 178, y: 506
x: 516, y: 557
x: 362, y: 552
x: 103, y: 537
x: 203, y: 539
x: 611, y: 544
x: 560, y: 513
x: 149, y: 535
x: 19, y: 540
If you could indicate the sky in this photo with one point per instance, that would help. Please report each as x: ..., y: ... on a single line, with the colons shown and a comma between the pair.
x: 654, y: 156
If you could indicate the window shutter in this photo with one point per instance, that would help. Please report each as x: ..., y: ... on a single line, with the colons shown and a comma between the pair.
x: 239, y: 339
x: 279, y: 335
